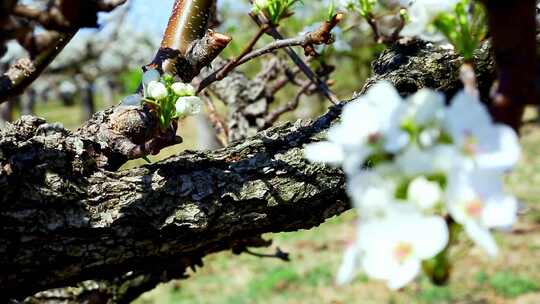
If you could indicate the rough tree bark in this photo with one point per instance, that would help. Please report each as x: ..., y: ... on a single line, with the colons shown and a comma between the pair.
x: 66, y: 217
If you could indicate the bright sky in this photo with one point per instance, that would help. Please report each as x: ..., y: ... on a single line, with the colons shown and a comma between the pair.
x: 153, y: 15
x: 150, y: 15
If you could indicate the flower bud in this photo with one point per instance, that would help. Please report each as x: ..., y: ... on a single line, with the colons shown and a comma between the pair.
x: 132, y: 100
x: 150, y: 75
x: 157, y: 90
x: 260, y: 5
x: 183, y: 89
x: 188, y: 105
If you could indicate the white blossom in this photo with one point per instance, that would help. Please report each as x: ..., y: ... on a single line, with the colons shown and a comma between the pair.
x: 426, y: 107
x: 367, y: 124
x: 188, y: 105
x: 350, y: 264
x: 421, y: 14
x: 183, y: 89
x: 372, y: 194
x: 488, y: 145
x: 393, y: 248
x: 476, y: 201
x: 156, y: 90
x: 424, y: 193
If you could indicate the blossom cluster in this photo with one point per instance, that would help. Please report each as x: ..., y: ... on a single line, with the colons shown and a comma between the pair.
x: 171, y: 100
x: 418, y: 172
x: 456, y: 23
x: 274, y: 10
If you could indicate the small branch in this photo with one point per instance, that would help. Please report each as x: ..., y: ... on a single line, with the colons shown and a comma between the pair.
x: 66, y: 17
x: 222, y: 133
x: 240, y: 58
x: 323, y: 88
x: 231, y: 65
x: 51, y: 20
x: 284, y: 256
x: 272, y: 117
x: 21, y: 74
x: 317, y: 37
x: 288, y: 77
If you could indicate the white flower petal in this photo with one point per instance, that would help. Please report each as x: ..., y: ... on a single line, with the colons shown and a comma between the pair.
x: 384, y: 96
x: 446, y: 158
x: 430, y: 236
x: 183, y: 89
x: 425, y: 194
x: 501, y: 213
x: 482, y: 237
x: 379, y: 265
x: 156, y: 90
x: 396, y: 140
x: 428, y: 106
x: 349, y: 265
x: 324, y: 152
x: 414, y: 161
x: 502, y: 152
x: 465, y: 114
x: 404, y: 274
x: 188, y: 105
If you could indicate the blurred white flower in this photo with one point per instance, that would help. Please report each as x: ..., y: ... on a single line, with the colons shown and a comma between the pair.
x: 488, y: 145
x: 476, y: 201
x: 183, y: 89
x: 188, y: 105
x: 372, y: 194
x: 350, y: 264
x: 426, y: 107
x: 156, y: 90
x: 406, y: 161
x: 424, y: 193
x: 414, y: 161
x: 325, y: 152
x: 394, y: 248
x: 421, y: 14
x: 366, y: 125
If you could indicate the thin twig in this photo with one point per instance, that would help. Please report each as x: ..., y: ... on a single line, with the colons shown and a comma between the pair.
x: 231, y: 65
x: 222, y: 132
x: 320, y: 36
x: 323, y: 88
x: 272, y: 117
x: 284, y: 256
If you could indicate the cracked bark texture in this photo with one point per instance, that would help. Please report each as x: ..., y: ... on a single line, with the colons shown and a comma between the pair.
x: 67, y: 219
x: 418, y: 64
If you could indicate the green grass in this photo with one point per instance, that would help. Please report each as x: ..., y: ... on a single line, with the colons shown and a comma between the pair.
x: 511, y: 285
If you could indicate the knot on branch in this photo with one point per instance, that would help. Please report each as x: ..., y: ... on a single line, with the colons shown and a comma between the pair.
x: 127, y: 132
x: 413, y: 65
x: 322, y: 35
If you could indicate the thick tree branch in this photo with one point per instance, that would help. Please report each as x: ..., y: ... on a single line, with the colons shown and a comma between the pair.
x: 94, y: 224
